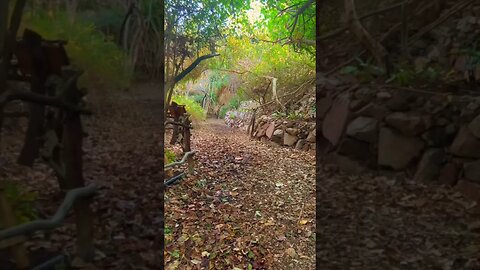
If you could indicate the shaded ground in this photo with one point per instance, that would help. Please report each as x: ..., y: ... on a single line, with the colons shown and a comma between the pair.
x: 247, y: 204
x: 367, y: 222
x: 123, y: 158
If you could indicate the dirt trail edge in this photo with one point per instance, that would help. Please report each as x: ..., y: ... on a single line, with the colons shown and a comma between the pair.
x: 249, y: 205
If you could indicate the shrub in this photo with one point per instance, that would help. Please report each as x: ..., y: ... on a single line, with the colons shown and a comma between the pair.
x: 192, y: 107
x: 170, y: 156
x: 21, y: 202
x: 88, y: 48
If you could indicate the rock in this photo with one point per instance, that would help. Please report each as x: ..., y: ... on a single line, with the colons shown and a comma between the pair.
x: 323, y: 105
x: 474, y: 126
x: 384, y: 95
x: 335, y: 121
x: 373, y: 110
x: 430, y: 165
x: 448, y: 174
x: 470, y: 110
x: 345, y: 164
x: 398, y: 103
x: 289, y: 139
x: 437, y: 137
x: 363, y: 128
x: 355, y: 149
x: 261, y: 131
x: 465, y: 144
x: 471, y: 170
x: 306, y: 147
x: 406, y: 124
x: 292, y: 131
x: 312, y: 136
x: 357, y: 104
x: 278, y: 133
x: 396, y: 150
x: 270, y: 130
x: 365, y: 94
x: 300, y: 144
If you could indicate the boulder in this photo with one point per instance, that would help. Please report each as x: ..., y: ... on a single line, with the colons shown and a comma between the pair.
x: 465, y: 144
x: 474, y: 126
x: 438, y: 137
x: 357, y: 104
x: 270, y: 130
x: 396, y: 150
x: 306, y: 147
x: 430, y: 165
x: 345, y: 164
x: 398, y: 103
x: 406, y: 124
x: 384, y: 95
x: 471, y: 171
x: 292, y: 131
x: 363, y: 128
x: 323, y: 105
x: 335, y: 121
x: 448, y: 174
x: 312, y: 136
x: 373, y: 110
x: 261, y: 131
x: 355, y: 149
x: 278, y: 133
x: 289, y: 139
x: 300, y: 144
x: 365, y: 94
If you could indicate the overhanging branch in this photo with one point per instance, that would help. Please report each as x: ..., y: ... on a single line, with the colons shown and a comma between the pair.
x: 195, y: 63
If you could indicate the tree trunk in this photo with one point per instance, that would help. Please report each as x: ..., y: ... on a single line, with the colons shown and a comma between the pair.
x: 375, y: 48
x: 4, y: 6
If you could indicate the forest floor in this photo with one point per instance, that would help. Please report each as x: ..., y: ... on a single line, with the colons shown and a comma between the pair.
x: 248, y: 203
x: 368, y: 222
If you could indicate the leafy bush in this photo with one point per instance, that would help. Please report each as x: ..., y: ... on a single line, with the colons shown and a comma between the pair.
x: 88, y: 48
x: 223, y: 111
x: 170, y: 156
x: 21, y: 202
x: 192, y: 107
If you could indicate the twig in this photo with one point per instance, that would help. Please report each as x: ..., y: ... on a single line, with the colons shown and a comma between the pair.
x: 440, y: 20
x: 48, y: 224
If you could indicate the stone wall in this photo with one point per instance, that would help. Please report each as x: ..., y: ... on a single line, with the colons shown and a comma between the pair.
x: 429, y: 136
x: 296, y: 134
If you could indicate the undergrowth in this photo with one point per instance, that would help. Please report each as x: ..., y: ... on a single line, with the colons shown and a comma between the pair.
x: 193, y: 108
x: 88, y: 49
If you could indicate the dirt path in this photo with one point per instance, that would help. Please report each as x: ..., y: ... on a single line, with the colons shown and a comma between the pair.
x: 248, y: 203
x: 122, y: 157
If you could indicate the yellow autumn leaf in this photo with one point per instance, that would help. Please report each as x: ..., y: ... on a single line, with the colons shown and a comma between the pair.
x: 303, y: 221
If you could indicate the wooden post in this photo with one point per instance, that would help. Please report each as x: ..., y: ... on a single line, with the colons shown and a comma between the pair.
x: 36, y: 57
x: 186, y: 143
x: 72, y: 157
x: 8, y: 220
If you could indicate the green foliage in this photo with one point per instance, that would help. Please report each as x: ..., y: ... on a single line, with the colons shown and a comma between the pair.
x: 192, y: 107
x: 88, y: 48
x: 290, y: 116
x: 21, y: 202
x: 233, y: 104
x: 406, y: 75
x: 223, y: 111
x: 170, y: 156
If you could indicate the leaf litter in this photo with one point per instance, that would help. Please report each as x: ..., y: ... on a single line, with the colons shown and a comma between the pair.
x: 248, y: 206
